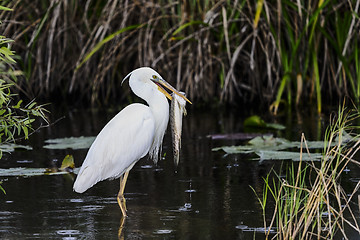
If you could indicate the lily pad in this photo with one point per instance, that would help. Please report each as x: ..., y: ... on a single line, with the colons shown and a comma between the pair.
x: 30, y: 172
x: 285, y: 155
x: 71, y: 142
x: 271, y: 148
x: 10, y: 147
x: 66, y: 167
x: 234, y: 136
x: 269, y: 143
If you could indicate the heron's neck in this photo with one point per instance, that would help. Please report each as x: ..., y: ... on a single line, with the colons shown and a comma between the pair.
x: 159, y: 106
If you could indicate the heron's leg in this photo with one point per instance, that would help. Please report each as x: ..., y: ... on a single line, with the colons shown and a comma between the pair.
x: 120, y: 197
x: 120, y: 231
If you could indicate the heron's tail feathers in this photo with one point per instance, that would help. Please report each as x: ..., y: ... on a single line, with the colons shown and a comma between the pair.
x: 86, y: 178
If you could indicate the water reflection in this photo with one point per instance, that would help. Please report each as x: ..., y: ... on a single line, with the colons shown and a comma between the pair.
x: 206, y: 197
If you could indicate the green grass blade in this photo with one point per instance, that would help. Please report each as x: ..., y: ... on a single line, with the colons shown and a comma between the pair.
x: 357, y: 70
x: 259, y: 6
x: 2, y: 189
x: 2, y: 8
x: 105, y: 40
x: 280, y: 91
x: 317, y: 81
x: 191, y: 23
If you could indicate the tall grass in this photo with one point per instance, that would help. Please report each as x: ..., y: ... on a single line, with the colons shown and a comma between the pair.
x: 310, y: 201
x: 228, y: 51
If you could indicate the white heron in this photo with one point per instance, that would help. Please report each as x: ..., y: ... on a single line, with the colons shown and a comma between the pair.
x: 134, y: 132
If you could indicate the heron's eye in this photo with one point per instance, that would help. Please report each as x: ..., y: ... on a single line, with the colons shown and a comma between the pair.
x: 154, y: 77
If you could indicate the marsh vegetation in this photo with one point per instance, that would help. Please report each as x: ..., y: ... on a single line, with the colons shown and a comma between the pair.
x: 220, y: 52
x: 296, y: 52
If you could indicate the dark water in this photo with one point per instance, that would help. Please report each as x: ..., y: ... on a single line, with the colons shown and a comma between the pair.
x: 207, y: 198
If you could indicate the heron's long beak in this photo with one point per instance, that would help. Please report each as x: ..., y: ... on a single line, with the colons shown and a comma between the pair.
x: 162, y: 82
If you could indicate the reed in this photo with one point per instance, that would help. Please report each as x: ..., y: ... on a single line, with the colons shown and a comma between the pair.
x: 310, y: 201
x: 228, y: 51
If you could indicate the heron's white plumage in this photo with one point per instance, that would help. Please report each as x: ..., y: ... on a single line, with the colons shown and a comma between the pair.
x: 135, y: 131
x: 110, y: 154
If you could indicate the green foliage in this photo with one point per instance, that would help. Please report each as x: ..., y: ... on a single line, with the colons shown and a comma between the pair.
x: 68, y: 162
x: 310, y: 35
x: 16, y: 119
x: 292, y: 52
x: 2, y: 189
x: 5, y: 52
x: 310, y: 201
x: 256, y: 122
x: 104, y: 41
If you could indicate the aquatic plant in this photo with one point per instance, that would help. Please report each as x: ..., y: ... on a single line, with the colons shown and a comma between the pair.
x: 15, y: 119
x: 291, y: 52
x: 310, y: 201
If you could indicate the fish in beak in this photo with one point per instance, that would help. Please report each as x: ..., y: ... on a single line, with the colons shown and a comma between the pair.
x: 162, y: 83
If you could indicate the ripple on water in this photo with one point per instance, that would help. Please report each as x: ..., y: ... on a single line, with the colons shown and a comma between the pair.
x: 68, y: 232
x: 24, y: 161
x: 91, y: 208
x: 190, y: 190
x: 146, y: 166
x: 241, y: 227
x: 185, y: 208
x: 253, y: 229
x: 4, y: 215
x: 163, y: 231
x: 168, y: 218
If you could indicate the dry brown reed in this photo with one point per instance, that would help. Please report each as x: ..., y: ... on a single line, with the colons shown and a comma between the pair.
x: 213, y: 50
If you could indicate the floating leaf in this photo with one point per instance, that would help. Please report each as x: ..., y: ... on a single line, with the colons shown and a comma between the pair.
x: 285, y: 155
x: 256, y: 121
x: 258, y: 144
x: 68, y: 162
x: 71, y: 142
x: 66, y: 167
x: 10, y: 147
x: 270, y: 148
x: 269, y: 143
x: 275, y: 126
x: 30, y: 172
x: 235, y: 149
x: 234, y: 136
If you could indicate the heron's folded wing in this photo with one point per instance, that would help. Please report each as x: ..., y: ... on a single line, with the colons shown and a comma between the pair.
x: 122, y: 142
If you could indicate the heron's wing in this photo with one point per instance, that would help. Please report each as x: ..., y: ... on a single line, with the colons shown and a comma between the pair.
x: 119, y: 145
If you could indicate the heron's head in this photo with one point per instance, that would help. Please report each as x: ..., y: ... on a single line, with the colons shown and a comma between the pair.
x: 147, y: 77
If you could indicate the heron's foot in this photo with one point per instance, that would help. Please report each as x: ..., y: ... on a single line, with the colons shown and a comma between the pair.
x: 122, y: 204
